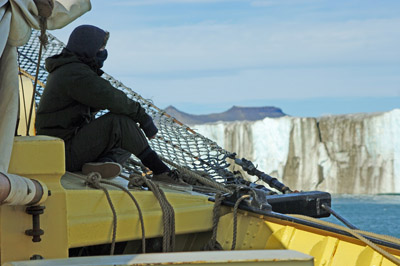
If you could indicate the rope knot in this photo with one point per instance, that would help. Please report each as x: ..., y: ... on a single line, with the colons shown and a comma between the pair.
x: 135, y: 181
x: 93, y: 179
x: 45, y: 9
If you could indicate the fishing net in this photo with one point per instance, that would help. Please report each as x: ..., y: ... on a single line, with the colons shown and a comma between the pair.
x: 176, y: 143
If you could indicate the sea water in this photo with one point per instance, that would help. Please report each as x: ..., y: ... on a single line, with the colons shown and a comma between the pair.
x: 374, y: 213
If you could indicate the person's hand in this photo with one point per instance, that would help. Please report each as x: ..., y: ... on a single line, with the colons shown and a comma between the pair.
x: 150, y: 130
x: 45, y: 7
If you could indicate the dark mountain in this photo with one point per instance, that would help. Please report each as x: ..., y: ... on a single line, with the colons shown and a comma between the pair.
x: 233, y: 114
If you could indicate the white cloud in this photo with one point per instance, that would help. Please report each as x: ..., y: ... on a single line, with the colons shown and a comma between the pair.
x: 272, y: 3
x: 257, y: 3
x: 166, y: 2
x: 253, y: 58
x: 213, y: 47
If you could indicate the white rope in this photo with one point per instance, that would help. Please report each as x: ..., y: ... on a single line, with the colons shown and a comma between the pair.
x: 22, y: 190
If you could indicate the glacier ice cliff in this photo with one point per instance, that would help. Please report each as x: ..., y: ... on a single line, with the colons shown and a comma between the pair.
x: 355, y: 153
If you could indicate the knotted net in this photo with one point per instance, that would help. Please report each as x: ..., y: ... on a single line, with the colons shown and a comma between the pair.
x: 175, y: 141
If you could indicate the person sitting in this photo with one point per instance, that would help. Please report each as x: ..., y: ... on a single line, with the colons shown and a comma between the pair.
x: 74, y: 92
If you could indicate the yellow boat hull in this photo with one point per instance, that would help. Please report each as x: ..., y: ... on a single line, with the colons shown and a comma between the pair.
x: 78, y: 216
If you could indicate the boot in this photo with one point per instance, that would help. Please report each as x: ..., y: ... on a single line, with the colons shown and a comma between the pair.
x: 107, y: 170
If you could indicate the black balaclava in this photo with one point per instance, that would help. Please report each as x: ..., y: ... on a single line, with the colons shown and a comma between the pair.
x: 85, y: 41
x: 101, y: 56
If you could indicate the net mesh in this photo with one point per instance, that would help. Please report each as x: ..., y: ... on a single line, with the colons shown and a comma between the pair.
x: 175, y: 141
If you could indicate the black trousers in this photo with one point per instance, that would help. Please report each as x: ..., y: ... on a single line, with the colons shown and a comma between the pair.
x: 111, y: 136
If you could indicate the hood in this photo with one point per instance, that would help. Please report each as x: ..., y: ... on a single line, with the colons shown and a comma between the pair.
x: 86, y: 40
x: 55, y: 61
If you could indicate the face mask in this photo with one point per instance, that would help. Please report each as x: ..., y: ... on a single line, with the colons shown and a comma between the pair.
x: 101, y: 56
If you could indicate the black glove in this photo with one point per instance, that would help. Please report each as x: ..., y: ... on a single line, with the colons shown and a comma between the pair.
x: 149, y: 128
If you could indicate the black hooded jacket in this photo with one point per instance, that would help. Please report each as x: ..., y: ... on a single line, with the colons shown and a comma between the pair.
x: 74, y: 90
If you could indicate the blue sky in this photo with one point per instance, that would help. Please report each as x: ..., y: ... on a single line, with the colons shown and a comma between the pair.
x: 308, y: 57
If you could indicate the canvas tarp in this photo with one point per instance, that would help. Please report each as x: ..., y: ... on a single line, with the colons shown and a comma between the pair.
x: 17, y: 18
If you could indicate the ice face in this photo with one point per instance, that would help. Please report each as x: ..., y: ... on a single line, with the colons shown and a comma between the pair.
x: 357, y: 153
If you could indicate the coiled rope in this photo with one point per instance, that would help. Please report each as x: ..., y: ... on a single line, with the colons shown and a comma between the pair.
x: 166, y: 208
x: 235, y: 209
x: 94, y: 180
x: 137, y: 207
x: 45, y: 9
x: 213, y: 244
